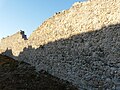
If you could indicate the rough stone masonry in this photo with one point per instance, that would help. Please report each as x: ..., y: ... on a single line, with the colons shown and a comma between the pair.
x: 81, y: 45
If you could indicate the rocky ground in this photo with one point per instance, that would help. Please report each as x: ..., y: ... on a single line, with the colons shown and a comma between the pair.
x: 16, y: 75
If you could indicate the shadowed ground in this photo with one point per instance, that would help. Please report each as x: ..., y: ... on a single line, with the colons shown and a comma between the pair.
x: 16, y: 75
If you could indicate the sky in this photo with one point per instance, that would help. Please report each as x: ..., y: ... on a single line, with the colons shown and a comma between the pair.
x: 27, y: 15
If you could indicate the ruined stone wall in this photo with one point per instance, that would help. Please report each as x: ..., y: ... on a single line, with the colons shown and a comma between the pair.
x: 90, y: 60
x: 80, y: 45
x: 81, y: 17
x: 15, y: 42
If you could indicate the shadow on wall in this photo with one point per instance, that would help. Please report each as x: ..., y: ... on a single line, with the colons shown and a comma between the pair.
x: 8, y: 52
x: 88, y: 59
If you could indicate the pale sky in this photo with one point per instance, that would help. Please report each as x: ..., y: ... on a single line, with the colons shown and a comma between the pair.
x: 27, y: 15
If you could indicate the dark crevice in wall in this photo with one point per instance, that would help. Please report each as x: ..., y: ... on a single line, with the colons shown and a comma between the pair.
x: 23, y: 35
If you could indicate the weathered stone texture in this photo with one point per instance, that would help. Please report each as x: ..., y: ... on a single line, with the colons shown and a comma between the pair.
x: 15, y: 42
x: 81, y: 17
x: 81, y: 45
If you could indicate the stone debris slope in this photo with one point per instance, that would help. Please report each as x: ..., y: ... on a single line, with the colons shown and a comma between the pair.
x: 16, y: 75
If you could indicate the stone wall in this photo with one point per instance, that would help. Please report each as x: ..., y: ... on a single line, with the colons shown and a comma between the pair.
x: 14, y: 42
x: 80, y: 45
x: 90, y: 60
x: 81, y: 17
